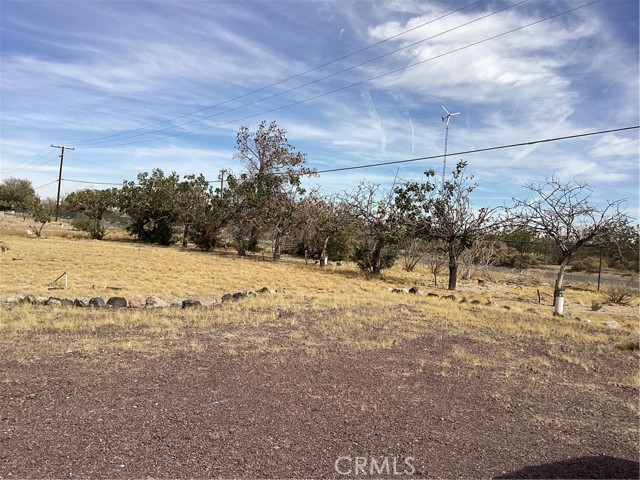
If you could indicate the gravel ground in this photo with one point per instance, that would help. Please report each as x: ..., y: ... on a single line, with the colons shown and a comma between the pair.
x: 405, y: 411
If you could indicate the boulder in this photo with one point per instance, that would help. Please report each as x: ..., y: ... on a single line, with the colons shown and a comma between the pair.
x: 398, y: 290
x: 137, y: 301
x: 53, y: 301
x: 82, y: 302
x: 448, y: 297
x: 97, y: 302
x: 611, y: 324
x: 41, y: 300
x: 117, y: 302
x: 239, y: 295
x: 191, y: 303
x: 433, y: 295
x: 416, y: 291
x: 156, y: 302
x: 263, y: 290
x: 227, y: 297
x: 475, y: 302
x: 15, y: 299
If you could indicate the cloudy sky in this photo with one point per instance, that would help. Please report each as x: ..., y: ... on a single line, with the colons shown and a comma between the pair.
x: 134, y: 85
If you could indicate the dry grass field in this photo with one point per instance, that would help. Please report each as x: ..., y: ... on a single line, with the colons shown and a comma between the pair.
x: 284, y: 384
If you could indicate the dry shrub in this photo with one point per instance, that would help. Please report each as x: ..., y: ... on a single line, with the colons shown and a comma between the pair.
x: 620, y: 294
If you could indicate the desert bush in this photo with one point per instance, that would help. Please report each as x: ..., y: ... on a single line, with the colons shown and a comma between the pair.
x: 94, y: 227
x: 620, y: 294
x: 595, y: 306
x: 588, y: 264
x: 630, y: 343
x: 507, y: 256
x: 371, y: 261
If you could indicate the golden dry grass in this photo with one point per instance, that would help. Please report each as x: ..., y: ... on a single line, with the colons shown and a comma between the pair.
x: 320, y: 306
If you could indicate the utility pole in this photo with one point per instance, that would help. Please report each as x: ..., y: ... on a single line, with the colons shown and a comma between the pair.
x: 221, y: 178
x: 61, y: 147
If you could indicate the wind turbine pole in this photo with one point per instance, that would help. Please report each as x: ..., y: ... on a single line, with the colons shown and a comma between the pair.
x: 446, y: 119
x: 444, y: 159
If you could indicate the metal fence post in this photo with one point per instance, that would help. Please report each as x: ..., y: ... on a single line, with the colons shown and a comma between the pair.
x: 600, y: 269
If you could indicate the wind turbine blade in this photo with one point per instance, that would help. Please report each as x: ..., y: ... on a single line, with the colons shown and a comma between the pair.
x: 452, y: 114
x: 445, y: 110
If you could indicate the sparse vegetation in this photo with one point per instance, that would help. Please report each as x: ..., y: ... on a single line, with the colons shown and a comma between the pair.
x: 619, y: 293
x: 327, y: 317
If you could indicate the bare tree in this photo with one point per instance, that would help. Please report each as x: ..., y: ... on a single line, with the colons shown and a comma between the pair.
x: 436, y: 259
x: 478, y: 258
x: 414, y: 250
x: 271, y: 163
x: 564, y: 212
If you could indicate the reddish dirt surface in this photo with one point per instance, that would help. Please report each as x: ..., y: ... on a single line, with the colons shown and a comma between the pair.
x: 290, y: 415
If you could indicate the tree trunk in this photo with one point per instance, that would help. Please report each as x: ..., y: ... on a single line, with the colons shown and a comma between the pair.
x: 253, y: 239
x: 184, y: 235
x: 39, y: 230
x: 558, y: 286
x: 324, y: 256
x: 376, y: 259
x: 277, y: 247
x: 453, y: 267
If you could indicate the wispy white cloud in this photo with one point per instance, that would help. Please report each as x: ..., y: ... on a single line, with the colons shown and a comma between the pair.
x: 123, y: 66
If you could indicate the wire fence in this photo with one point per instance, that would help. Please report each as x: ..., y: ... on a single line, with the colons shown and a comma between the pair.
x: 596, y: 265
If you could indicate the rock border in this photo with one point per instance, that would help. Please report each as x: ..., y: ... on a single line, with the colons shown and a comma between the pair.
x: 135, y: 302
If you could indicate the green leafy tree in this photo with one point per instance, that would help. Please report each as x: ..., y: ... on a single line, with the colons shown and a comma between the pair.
x: 17, y: 194
x: 41, y: 212
x: 151, y: 206
x: 445, y: 213
x: 380, y: 227
x: 193, y: 197
x: 93, y: 204
x: 240, y: 197
x: 326, y: 230
x: 209, y: 224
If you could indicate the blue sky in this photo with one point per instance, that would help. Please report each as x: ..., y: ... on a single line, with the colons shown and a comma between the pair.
x: 120, y: 81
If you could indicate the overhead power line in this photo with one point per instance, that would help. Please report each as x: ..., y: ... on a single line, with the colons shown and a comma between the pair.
x: 431, y: 157
x: 377, y: 77
x: 88, y: 182
x: 280, y: 82
x: 46, y: 184
x: 311, y: 82
x: 478, y: 150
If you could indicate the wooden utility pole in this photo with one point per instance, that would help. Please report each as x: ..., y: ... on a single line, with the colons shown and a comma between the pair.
x: 61, y: 147
x: 221, y: 178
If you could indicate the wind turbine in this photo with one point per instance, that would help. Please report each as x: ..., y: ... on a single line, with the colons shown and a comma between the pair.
x: 446, y: 119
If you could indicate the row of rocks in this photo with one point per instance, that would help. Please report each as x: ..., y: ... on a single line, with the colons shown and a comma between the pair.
x: 417, y: 291
x: 137, y: 301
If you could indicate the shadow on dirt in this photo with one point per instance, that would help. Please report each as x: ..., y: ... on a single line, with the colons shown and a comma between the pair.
x: 582, y: 467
